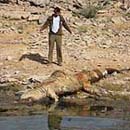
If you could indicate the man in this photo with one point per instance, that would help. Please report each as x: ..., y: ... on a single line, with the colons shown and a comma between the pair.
x: 55, y: 23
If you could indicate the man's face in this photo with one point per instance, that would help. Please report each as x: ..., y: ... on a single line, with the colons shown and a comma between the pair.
x: 56, y: 13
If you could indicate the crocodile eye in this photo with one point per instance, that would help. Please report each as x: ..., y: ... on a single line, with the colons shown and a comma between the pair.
x: 30, y: 99
x: 27, y: 100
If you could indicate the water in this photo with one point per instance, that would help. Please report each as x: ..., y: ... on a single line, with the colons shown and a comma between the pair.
x: 94, y: 123
x: 41, y: 122
x: 68, y: 116
x: 24, y: 123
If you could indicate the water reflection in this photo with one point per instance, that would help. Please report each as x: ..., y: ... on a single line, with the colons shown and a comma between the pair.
x: 69, y: 116
x: 54, y: 121
x: 58, y: 122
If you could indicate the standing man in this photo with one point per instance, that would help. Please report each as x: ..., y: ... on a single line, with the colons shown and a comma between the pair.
x: 55, y: 23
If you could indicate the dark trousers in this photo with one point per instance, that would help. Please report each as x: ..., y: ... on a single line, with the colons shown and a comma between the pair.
x: 53, y: 38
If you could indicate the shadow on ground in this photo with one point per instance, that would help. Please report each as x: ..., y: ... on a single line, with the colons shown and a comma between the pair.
x: 34, y: 57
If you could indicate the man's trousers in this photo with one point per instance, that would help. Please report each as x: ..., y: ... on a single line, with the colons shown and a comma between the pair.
x: 53, y: 38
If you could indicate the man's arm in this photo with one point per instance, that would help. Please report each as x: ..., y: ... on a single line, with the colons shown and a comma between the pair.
x: 45, y: 25
x: 65, y: 25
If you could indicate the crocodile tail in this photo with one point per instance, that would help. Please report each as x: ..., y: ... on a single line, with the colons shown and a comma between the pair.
x: 125, y: 70
x: 98, y: 74
x: 113, y: 70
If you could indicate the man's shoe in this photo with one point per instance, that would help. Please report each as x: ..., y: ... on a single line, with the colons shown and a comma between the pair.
x: 60, y: 64
x: 49, y: 63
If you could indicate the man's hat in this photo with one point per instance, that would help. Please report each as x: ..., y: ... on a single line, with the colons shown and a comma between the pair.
x: 57, y: 9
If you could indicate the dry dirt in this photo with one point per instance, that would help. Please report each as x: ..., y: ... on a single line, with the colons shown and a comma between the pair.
x: 20, y: 56
x: 12, y: 50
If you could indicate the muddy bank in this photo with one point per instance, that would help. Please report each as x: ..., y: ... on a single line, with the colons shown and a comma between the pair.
x: 77, y: 104
x: 73, y: 112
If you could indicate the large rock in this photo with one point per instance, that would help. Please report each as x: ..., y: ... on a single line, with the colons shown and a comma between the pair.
x: 42, y: 19
x: 4, y: 1
x: 118, y: 20
x: 15, y: 15
x: 41, y: 3
x: 33, y: 18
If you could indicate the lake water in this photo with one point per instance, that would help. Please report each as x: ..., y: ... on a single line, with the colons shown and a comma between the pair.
x: 41, y: 122
x: 93, y: 116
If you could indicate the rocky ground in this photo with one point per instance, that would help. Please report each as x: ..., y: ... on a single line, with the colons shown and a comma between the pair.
x: 99, y: 42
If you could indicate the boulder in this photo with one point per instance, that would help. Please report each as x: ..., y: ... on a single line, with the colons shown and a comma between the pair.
x: 118, y: 20
x: 4, y: 1
x: 42, y: 19
x: 33, y: 18
x: 15, y: 15
x: 41, y: 3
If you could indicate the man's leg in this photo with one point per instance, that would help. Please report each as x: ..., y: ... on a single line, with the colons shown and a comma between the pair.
x: 59, y: 49
x: 51, y: 47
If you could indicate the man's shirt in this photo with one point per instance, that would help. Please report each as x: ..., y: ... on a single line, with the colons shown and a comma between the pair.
x: 56, y: 24
x: 62, y: 22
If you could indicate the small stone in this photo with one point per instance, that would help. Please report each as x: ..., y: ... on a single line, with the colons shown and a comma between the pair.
x: 35, y: 78
x: 33, y: 18
x: 8, y: 58
x: 16, y: 72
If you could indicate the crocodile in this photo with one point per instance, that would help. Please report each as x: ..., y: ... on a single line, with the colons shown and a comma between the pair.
x: 59, y: 83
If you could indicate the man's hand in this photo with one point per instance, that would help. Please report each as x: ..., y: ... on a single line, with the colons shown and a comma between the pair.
x: 70, y: 32
x: 40, y: 30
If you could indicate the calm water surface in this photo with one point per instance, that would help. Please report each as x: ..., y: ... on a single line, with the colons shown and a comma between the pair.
x: 70, y: 116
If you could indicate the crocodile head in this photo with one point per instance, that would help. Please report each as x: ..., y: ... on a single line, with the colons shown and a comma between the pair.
x: 33, y: 95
